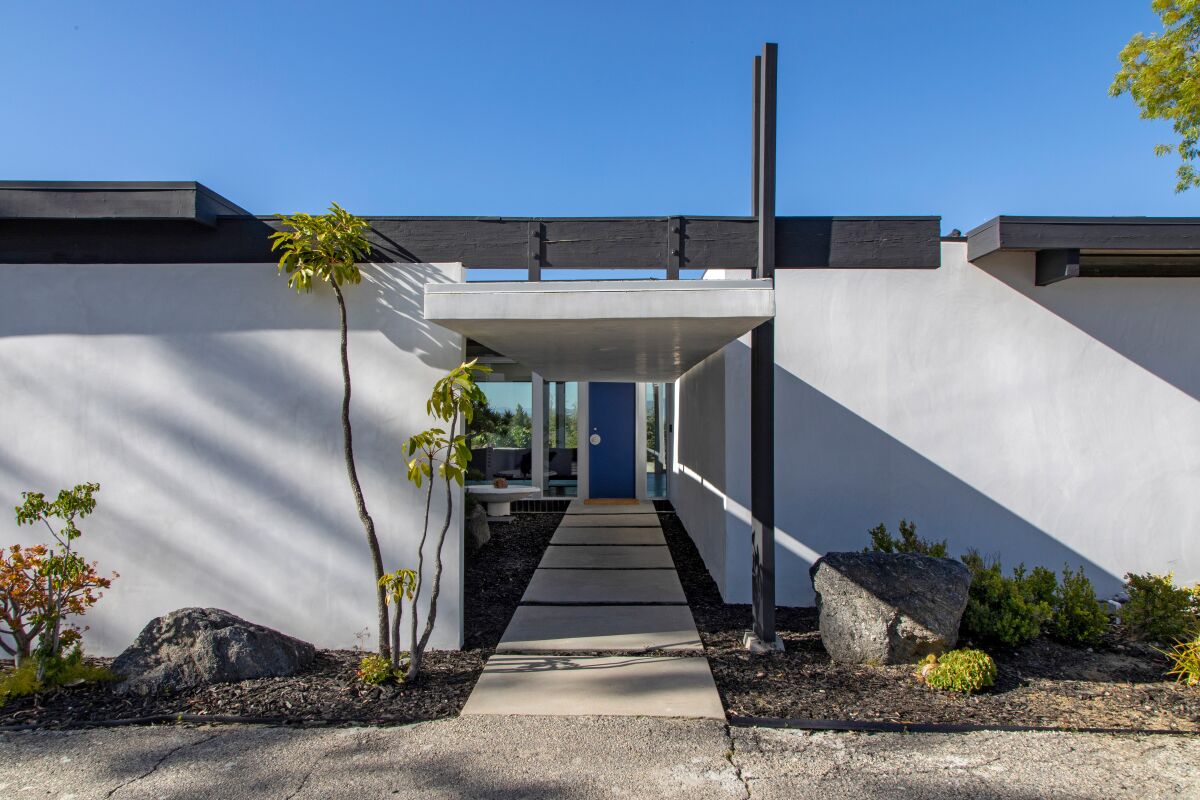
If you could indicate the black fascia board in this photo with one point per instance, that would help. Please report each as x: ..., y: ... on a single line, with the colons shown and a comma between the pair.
x: 167, y: 201
x: 1113, y: 234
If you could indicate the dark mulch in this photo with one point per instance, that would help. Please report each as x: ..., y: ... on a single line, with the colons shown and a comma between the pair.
x: 1044, y: 683
x: 328, y: 692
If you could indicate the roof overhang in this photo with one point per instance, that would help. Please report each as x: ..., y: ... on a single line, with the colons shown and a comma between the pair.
x: 114, y: 200
x: 632, y: 330
x: 1073, y: 247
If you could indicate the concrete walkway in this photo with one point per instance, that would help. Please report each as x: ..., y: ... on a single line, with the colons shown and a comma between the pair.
x: 587, y: 758
x: 606, y: 584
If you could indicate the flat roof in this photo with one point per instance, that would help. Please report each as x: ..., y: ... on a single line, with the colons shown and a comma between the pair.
x: 114, y: 200
x: 628, y: 330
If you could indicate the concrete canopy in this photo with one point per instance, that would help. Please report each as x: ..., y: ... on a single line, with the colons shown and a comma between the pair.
x: 622, y: 330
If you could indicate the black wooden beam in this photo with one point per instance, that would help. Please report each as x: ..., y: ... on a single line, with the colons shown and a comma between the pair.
x: 495, y: 243
x: 762, y: 368
x: 1056, y: 265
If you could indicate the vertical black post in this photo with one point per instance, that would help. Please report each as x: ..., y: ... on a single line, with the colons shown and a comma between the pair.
x: 535, y: 249
x: 762, y: 362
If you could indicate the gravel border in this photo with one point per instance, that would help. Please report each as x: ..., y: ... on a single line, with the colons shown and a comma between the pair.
x: 1045, y: 684
x: 328, y: 692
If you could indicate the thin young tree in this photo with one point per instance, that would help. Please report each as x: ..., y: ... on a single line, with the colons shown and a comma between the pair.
x: 448, y: 455
x: 327, y: 248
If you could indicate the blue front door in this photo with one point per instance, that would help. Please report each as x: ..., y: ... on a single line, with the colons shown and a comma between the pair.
x: 611, y: 440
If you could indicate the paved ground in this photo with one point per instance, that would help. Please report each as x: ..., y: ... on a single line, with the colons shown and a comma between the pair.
x: 623, y: 568
x: 580, y: 758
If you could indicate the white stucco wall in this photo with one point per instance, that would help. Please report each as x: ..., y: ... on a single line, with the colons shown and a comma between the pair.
x: 710, y: 482
x: 1047, y: 425
x: 205, y: 400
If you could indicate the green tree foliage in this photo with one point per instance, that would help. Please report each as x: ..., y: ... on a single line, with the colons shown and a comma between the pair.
x: 446, y: 453
x: 327, y: 248
x: 882, y: 541
x: 493, y: 428
x: 1161, y: 72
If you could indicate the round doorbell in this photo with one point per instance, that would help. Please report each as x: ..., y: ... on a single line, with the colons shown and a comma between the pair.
x: 594, y: 438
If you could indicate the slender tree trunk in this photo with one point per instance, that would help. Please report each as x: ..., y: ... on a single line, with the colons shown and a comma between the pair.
x: 368, y: 523
x: 436, y: 589
x: 412, y: 648
x: 397, y: 613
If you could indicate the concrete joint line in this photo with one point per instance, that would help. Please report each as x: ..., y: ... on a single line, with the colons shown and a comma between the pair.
x: 731, y: 757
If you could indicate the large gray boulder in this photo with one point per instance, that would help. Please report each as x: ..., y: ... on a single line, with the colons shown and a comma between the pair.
x: 888, y: 608
x: 198, y: 646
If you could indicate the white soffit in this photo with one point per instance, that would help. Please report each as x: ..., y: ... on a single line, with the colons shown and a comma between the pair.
x: 603, y: 330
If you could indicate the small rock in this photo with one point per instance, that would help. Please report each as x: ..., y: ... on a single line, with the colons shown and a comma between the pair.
x: 478, y: 532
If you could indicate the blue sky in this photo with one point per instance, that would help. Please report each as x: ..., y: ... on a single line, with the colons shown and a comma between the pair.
x: 961, y: 109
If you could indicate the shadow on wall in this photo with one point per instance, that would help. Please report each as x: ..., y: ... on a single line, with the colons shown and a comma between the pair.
x: 75, y: 301
x: 1150, y: 321
x: 220, y: 456
x: 838, y: 475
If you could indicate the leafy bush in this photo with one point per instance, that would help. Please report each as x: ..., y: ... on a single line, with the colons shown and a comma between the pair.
x: 66, y: 670
x: 909, y: 542
x: 1040, y: 585
x: 1158, y: 610
x: 1000, y: 610
x: 375, y: 670
x: 964, y: 671
x: 1079, y: 618
x: 1185, y: 661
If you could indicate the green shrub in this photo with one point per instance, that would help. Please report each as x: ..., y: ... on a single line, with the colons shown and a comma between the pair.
x: 1040, y: 585
x: 375, y: 670
x: 66, y: 670
x: 964, y: 671
x: 1079, y: 618
x: 1000, y: 610
x: 1158, y: 610
x: 1185, y: 661
x: 909, y: 542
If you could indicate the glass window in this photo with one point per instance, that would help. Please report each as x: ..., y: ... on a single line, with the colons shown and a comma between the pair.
x: 562, y: 446
x: 502, y: 434
x: 657, y: 438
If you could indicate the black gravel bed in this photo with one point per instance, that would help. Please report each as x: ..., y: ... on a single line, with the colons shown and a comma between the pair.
x: 328, y: 692
x: 499, y: 572
x: 1117, y: 685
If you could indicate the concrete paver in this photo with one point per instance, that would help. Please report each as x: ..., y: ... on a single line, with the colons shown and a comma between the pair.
x: 608, y: 535
x: 606, y: 557
x: 609, y: 520
x: 590, y: 628
x: 604, y: 586
x: 650, y: 686
x: 577, y: 506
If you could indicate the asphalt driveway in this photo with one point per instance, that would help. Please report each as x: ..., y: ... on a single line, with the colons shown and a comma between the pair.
x: 578, y: 758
